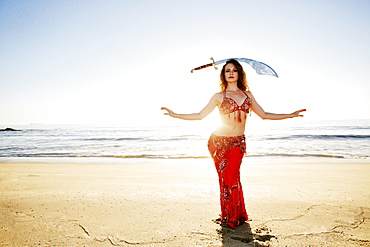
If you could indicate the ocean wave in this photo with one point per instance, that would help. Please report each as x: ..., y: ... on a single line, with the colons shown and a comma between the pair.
x: 133, y: 156
x: 321, y: 137
x: 154, y: 156
x: 111, y: 139
x: 336, y: 156
x: 143, y: 139
x: 317, y: 141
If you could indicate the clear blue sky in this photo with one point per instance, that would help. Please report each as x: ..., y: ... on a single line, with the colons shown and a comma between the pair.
x: 119, y: 61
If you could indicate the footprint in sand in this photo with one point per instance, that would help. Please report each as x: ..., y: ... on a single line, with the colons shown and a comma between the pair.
x: 20, y: 216
x: 354, y: 222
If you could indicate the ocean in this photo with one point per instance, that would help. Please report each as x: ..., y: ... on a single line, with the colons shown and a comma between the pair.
x: 273, y: 140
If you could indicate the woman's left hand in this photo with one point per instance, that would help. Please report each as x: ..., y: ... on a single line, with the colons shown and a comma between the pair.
x: 297, y: 113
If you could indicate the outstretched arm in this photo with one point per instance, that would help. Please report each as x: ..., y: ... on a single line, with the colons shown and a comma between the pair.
x: 272, y: 116
x: 195, y: 116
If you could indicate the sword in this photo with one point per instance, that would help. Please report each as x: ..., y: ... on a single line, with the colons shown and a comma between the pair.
x: 259, y: 67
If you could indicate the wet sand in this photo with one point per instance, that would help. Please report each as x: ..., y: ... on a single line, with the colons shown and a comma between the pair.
x: 163, y: 204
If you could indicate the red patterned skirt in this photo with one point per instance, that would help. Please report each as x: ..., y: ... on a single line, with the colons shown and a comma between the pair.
x: 227, y: 153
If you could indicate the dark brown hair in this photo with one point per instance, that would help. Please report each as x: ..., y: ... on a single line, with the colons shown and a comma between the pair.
x: 242, y: 79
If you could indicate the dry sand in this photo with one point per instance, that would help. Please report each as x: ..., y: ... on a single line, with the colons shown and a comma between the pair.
x: 305, y: 204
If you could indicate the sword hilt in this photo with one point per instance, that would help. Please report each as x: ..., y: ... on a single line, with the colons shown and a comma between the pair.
x: 202, y: 67
x: 213, y: 63
x: 206, y: 65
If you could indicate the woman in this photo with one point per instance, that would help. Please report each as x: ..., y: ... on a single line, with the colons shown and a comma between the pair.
x: 227, y: 143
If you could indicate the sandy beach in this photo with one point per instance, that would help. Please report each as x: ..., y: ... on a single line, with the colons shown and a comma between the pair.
x: 163, y: 204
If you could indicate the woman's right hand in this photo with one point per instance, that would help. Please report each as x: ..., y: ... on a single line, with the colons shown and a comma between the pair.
x: 169, y: 112
x: 195, y: 116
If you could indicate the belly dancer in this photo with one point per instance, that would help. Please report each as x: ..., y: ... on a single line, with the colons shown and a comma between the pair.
x: 227, y: 143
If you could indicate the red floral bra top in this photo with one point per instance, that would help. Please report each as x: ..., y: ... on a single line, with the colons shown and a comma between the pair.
x: 229, y: 106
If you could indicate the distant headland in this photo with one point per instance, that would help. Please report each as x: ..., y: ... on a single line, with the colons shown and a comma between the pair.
x: 9, y: 129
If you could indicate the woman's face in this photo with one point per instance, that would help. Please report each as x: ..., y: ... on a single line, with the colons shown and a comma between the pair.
x: 231, y: 73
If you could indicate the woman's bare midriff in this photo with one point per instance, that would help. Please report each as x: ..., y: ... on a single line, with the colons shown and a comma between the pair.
x: 230, y: 127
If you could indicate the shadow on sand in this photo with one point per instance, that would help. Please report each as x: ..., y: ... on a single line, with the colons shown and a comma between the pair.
x: 244, y: 236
